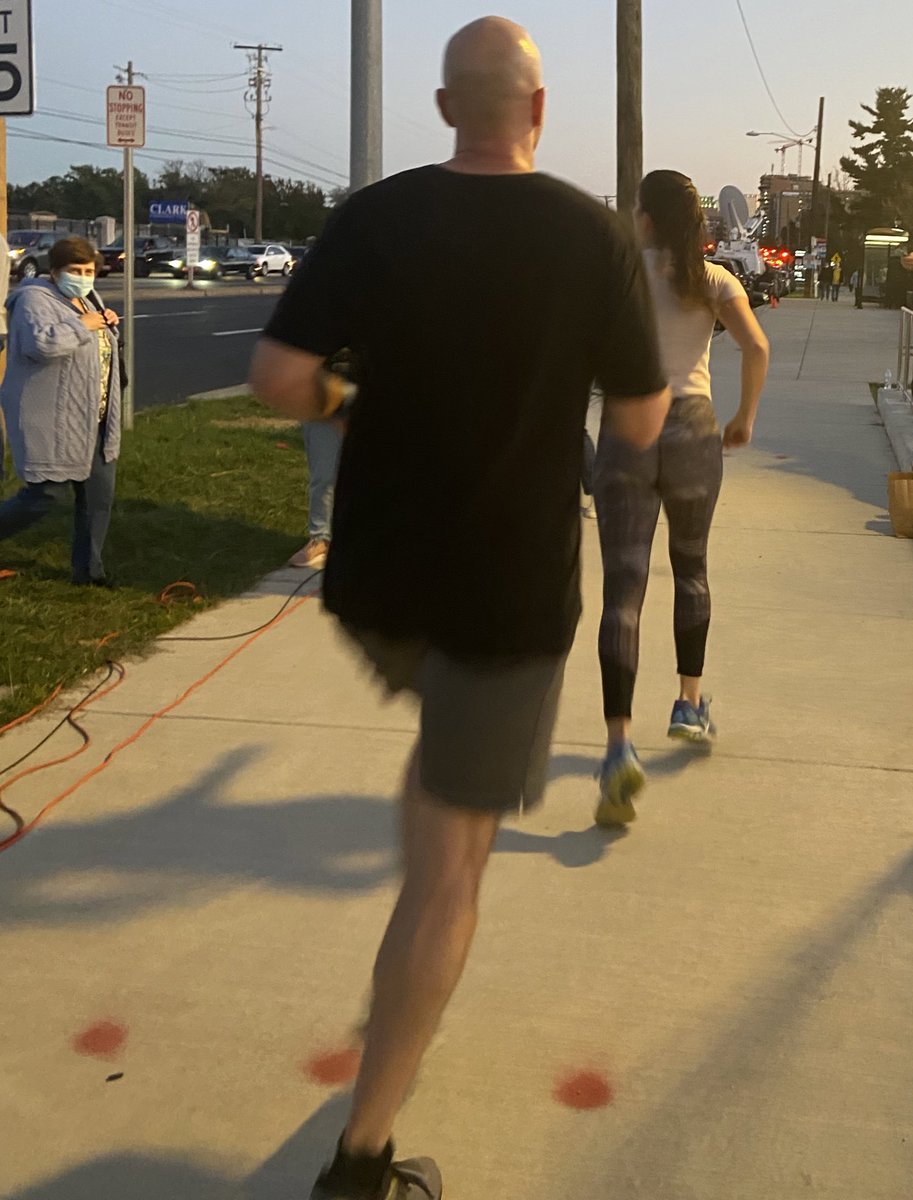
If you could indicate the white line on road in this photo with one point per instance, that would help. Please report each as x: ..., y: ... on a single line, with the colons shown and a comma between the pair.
x: 184, y: 312
x: 235, y: 332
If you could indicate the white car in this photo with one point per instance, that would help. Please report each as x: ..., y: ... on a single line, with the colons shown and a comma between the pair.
x: 270, y: 257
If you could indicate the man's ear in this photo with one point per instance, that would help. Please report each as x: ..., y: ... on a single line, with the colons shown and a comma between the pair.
x: 443, y: 104
x: 539, y: 108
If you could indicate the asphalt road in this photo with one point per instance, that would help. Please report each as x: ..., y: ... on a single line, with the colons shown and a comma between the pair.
x: 192, y: 341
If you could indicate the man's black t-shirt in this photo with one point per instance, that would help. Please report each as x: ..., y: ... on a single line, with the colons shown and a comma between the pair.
x: 480, y: 309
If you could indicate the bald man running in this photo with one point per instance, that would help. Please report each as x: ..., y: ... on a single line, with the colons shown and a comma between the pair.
x: 481, y: 300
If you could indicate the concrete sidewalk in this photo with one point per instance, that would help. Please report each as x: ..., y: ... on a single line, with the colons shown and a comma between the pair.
x: 728, y: 985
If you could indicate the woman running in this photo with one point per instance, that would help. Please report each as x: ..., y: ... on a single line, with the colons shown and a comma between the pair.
x: 682, y: 472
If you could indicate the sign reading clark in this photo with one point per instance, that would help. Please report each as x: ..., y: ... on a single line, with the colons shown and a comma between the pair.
x: 126, y: 115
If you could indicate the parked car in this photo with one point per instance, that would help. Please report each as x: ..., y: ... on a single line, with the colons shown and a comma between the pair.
x: 270, y: 257
x: 29, y: 251
x: 299, y: 254
x: 216, y: 261
x: 150, y: 253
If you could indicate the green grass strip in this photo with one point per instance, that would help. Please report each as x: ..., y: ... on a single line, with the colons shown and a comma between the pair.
x: 213, y: 492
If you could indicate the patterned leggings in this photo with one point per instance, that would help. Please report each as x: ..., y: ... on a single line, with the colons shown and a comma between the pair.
x: 683, y: 472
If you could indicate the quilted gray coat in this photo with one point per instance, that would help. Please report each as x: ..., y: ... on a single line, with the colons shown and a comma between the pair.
x: 52, y: 388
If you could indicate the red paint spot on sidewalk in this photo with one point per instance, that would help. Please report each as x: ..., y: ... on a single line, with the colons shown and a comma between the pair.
x: 584, y: 1090
x: 103, y: 1040
x: 334, y: 1067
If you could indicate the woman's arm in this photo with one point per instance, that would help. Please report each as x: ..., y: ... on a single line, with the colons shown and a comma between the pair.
x: 741, y: 322
x: 45, y: 333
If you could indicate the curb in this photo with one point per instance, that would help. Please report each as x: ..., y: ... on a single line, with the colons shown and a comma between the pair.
x: 896, y: 412
x: 226, y: 393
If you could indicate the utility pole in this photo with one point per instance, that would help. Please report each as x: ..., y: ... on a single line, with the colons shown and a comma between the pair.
x: 629, y: 117
x: 129, y: 270
x: 814, y: 212
x: 367, y: 111
x: 4, y: 210
x: 258, y: 95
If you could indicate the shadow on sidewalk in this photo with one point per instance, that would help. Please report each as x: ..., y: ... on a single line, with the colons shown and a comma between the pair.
x: 853, y: 465
x: 290, y: 1171
x: 286, y: 1175
x: 193, y: 840
x: 134, y: 1177
x: 736, y: 1088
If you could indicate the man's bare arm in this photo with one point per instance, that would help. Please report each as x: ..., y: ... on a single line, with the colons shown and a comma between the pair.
x: 294, y: 382
x: 637, y: 419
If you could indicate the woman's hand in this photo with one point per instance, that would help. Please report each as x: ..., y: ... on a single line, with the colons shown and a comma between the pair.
x: 93, y: 321
x: 111, y: 317
x: 738, y: 432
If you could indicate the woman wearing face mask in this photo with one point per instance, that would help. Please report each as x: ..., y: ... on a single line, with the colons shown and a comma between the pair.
x: 682, y: 473
x: 61, y: 399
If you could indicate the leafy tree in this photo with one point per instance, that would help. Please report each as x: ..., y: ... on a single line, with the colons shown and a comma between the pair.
x: 881, y: 166
x: 85, y: 192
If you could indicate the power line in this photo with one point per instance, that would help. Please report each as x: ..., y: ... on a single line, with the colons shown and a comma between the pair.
x: 203, y: 112
x: 761, y: 70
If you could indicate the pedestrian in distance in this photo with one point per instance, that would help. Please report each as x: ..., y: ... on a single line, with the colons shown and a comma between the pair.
x: 61, y: 399
x: 825, y: 279
x: 682, y: 474
x: 836, y: 280
x: 454, y: 560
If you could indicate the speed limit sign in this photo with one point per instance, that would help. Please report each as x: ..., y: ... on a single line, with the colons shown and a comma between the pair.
x: 193, y: 237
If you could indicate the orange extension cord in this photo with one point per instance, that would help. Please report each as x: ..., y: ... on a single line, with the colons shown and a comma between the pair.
x: 23, y: 827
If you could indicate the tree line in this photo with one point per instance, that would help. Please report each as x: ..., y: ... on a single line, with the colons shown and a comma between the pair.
x: 879, y: 167
x: 292, y: 209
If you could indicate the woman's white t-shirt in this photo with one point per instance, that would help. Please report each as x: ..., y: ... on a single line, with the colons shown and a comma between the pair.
x: 686, y: 330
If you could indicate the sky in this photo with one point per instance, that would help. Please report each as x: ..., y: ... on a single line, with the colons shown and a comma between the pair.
x: 702, y: 87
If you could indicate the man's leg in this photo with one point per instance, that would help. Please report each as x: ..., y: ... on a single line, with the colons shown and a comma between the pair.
x: 422, y: 955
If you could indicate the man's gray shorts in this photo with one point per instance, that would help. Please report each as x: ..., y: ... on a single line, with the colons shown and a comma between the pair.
x: 486, y: 725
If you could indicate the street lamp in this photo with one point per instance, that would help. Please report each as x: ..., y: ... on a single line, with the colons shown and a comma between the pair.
x: 805, y: 140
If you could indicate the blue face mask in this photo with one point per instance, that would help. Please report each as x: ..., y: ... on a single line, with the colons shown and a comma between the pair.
x: 75, y: 287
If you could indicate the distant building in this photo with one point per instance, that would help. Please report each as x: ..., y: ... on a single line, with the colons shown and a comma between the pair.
x: 781, y: 200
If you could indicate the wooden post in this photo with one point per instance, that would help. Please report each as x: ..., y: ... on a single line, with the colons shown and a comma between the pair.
x: 629, y: 68
x: 4, y: 207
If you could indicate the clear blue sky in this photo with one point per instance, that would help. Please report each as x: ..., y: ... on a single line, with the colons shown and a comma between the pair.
x: 702, y: 90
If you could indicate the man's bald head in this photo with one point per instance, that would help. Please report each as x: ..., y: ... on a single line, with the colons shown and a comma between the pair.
x: 492, y: 72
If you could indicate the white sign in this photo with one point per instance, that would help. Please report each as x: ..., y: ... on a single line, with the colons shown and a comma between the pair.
x: 17, y: 60
x: 126, y: 115
x: 193, y: 237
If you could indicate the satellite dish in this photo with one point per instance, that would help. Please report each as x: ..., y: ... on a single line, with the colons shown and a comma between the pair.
x: 734, y: 208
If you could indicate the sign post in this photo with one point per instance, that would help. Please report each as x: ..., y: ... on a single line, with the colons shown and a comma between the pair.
x: 193, y: 242
x: 127, y: 128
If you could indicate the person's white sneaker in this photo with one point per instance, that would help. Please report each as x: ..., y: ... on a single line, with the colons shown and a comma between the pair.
x: 311, y: 557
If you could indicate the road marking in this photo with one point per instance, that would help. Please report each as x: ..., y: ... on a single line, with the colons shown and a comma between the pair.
x: 184, y: 312
x: 236, y: 332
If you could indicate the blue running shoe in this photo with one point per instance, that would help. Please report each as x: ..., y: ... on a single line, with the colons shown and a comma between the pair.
x: 621, y: 777
x: 690, y: 723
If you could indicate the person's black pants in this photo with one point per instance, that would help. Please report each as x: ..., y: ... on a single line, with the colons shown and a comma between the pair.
x: 93, y: 501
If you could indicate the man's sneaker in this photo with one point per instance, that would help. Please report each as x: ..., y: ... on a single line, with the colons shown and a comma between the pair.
x: 412, y: 1179
x: 311, y: 557
x: 690, y: 723
x: 621, y: 777
x: 588, y: 508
